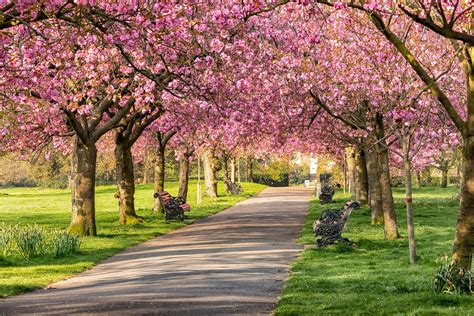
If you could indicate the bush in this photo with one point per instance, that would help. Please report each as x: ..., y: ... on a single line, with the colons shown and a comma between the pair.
x: 31, y: 240
x: 452, y: 279
x: 397, y: 181
x: 455, y: 180
x: 62, y: 244
x: 6, y: 233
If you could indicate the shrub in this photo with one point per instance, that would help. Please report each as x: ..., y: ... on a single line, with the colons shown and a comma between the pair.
x: 29, y: 240
x: 62, y: 244
x: 6, y: 233
x: 452, y: 279
x: 32, y: 240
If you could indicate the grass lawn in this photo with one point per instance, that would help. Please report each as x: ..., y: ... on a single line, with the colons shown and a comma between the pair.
x: 51, y: 209
x: 376, y: 278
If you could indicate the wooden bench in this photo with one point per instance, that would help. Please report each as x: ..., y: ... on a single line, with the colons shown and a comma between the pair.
x: 173, y: 207
x: 233, y: 188
x: 331, y: 224
x: 326, y: 194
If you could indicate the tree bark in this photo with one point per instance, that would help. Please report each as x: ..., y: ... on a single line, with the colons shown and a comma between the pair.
x: 464, y: 237
x: 444, y: 168
x: 183, y: 177
x: 390, y: 219
x: 146, y: 167
x: 238, y: 170
x: 250, y: 169
x: 227, y: 174
x: 232, y: 170
x: 83, y: 169
x: 418, y: 178
x: 350, y: 157
x: 362, y: 194
x: 159, y: 175
x: 373, y: 176
x: 426, y: 174
x: 409, y: 198
x: 210, y: 170
x: 444, y: 178
x: 125, y: 181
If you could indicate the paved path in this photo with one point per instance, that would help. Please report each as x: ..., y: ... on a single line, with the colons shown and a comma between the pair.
x: 234, y: 262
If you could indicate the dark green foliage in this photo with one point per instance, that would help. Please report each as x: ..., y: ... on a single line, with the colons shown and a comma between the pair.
x: 29, y: 241
x: 62, y: 244
x: 452, y: 279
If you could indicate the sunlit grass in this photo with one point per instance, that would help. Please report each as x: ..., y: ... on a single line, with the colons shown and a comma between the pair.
x: 376, y: 278
x: 51, y: 208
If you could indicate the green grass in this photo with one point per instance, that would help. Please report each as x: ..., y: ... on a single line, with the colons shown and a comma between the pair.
x: 51, y: 209
x: 376, y: 278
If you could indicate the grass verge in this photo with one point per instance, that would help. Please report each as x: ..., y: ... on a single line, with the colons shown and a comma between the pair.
x: 51, y: 209
x: 376, y: 278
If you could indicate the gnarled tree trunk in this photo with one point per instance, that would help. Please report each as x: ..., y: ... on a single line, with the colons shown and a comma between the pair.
x: 210, y: 173
x: 183, y: 177
x: 125, y: 181
x: 83, y: 169
x: 373, y: 176
x: 362, y: 190
x: 390, y: 218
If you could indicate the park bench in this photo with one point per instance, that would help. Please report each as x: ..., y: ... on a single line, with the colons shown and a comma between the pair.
x: 326, y: 194
x: 173, y: 207
x: 331, y: 224
x: 233, y: 188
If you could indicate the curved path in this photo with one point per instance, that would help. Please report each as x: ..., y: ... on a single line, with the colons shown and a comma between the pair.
x: 234, y: 262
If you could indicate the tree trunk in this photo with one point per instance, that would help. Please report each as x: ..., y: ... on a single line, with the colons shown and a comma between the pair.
x: 373, y: 176
x: 159, y: 175
x: 146, y: 167
x: 210, y: 177
x: 444, y: 168
x: 444, y: 178
x: 183, y: 177
x: 83, y: 170
x: 232, y: 170
x: 250, y: 169
x: 409, y: 199
x: 427, y: 175
x: 238, y: 170
x: 362, y: 194
x: 125, y: 181
x: 418, y: 178
x: 464, y: 237
x: 350, y: 156
x: 226, y: 174
x: 390, y: 219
